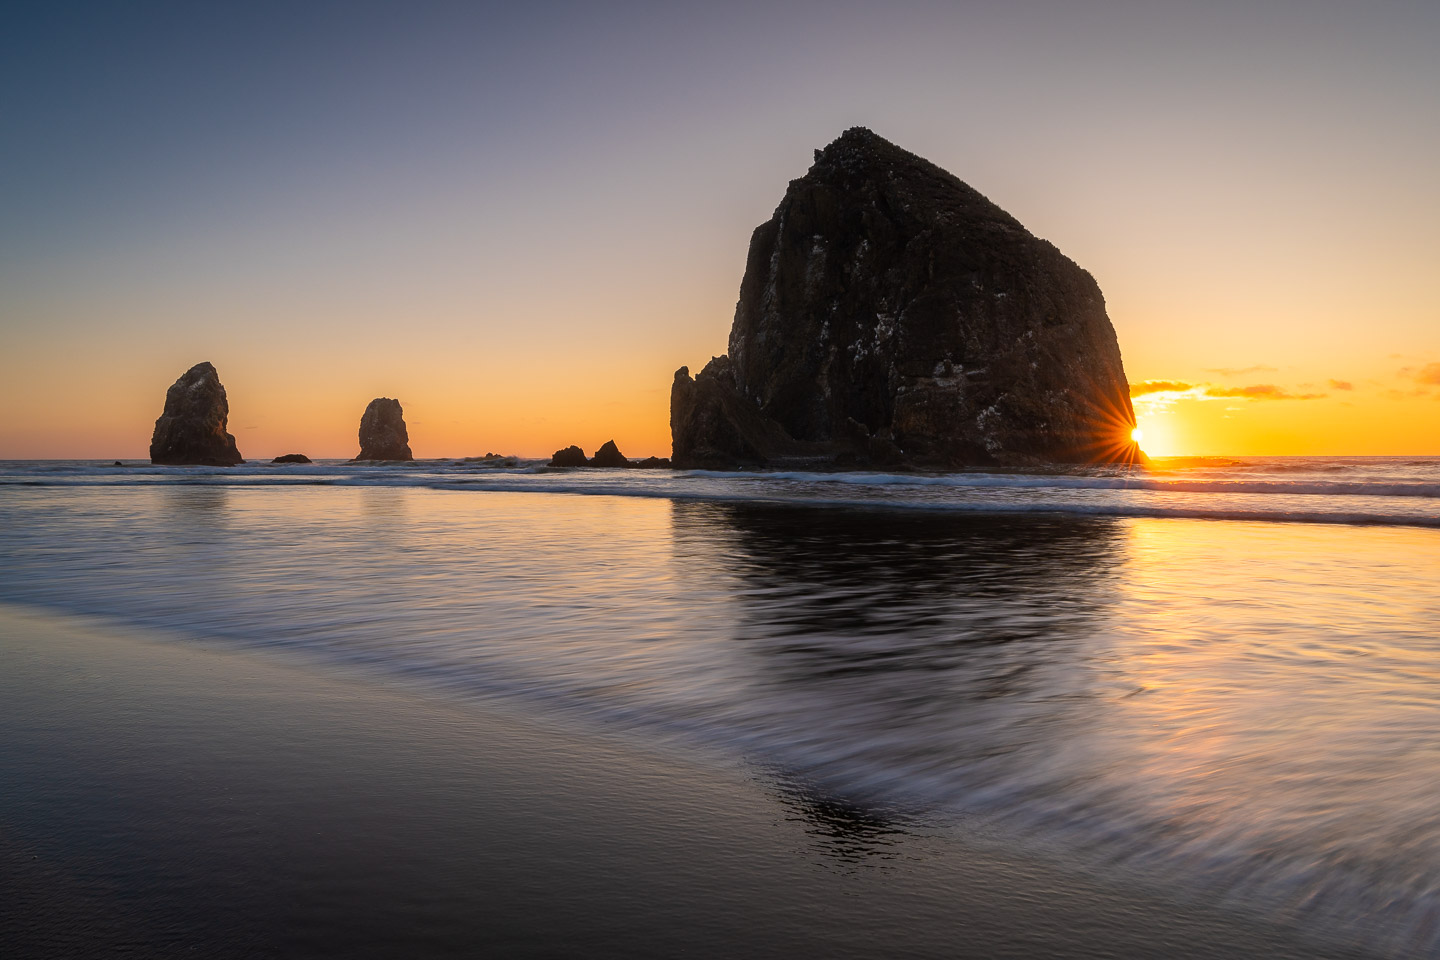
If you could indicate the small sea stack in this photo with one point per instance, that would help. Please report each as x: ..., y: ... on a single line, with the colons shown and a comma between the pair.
x: 571, y: 456
x: 382, y: 432
x: 609, y: 455
x: 292, y: 458
x: 191, y: 430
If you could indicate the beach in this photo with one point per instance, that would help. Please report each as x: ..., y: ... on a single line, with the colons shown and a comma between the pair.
x: 670, y: 712
x: 167, y: 799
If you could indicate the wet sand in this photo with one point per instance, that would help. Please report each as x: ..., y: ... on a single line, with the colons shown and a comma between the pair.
x: 164, y: 798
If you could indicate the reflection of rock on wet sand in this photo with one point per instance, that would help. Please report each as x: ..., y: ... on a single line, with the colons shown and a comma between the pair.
x: 907, y: 649
x: 842, y: 832
x: 823, y: 585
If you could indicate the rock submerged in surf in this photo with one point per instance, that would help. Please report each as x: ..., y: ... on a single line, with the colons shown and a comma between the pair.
x: 382, y: 432
x: 608, y: 456
x: 191, y: 430
x: 892, y: 315
x: 494, y: 460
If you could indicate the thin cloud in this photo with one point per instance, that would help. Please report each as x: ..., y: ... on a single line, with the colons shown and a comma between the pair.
x: 1260, y: 391
x: 1159, y: 386
x: 1429, y: 374
x: 1162, y: 393
x: 1242, y: 372
x: 1341, y: 385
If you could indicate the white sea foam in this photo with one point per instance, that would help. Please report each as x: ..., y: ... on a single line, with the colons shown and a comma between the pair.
x: 1377, y: 492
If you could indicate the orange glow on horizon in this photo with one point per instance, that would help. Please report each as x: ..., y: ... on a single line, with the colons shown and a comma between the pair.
x: 1393, y: 412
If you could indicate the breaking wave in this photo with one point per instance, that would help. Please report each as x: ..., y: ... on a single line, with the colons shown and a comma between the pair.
x: 1382, y: 491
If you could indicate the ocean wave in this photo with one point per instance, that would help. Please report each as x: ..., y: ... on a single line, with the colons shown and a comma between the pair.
x: 430, y: 475
x: 990, y: 494
x: 1062, y: 482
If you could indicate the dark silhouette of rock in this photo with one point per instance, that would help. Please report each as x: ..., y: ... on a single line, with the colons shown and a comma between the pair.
x: 890, y: 315
x: 713, y: 425
x: 191, y: 430
x: 292, y: 458
x: 117, y: 463
x: 609, y: 455
x: 571, y: 456
x: 382, y: 432
x: 652, y: 463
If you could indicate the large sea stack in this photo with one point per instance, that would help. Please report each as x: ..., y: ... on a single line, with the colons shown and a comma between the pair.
x: 891, y: 315
x: 382, y: 432
x: 191, y: 431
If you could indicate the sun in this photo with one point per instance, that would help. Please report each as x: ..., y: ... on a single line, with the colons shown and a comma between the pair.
x: 1155, y: 435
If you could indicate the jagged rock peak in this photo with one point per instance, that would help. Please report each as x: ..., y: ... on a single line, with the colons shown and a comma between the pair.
x: 609, y: 455
x: 891, y: 314
x: 191, y: 430
x: 382, y: 432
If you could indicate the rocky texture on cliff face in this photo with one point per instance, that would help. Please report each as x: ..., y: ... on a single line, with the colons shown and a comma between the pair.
x: 891, y: 315
x: 382, y: 432
x: 191, y: 430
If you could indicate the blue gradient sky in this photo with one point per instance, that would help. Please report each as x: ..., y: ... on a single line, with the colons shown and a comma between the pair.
x: 520, y: 220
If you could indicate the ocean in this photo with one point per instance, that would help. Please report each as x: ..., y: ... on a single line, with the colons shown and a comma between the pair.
x: 1222, y: 676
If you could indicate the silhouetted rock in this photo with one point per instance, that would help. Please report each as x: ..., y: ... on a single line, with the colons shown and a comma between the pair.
x: 292, y: 458
x: 609, y: 455
x: 191, y: 430
x: 652, y: 463
x: 117, y: 463
x: 382, y: 432
x: 713, y: 425
x: 571, y: 456
x: 891, y: 315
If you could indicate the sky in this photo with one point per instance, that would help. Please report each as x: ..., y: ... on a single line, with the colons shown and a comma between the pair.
x: 521, y: 219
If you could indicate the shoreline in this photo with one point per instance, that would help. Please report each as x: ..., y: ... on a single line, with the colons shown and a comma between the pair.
x: 168, y: 799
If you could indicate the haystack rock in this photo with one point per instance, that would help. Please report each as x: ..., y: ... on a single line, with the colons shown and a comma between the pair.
x: 382, y: 432
x: 292, y: 458
x: 191, y: 431
x: 891, y: 315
